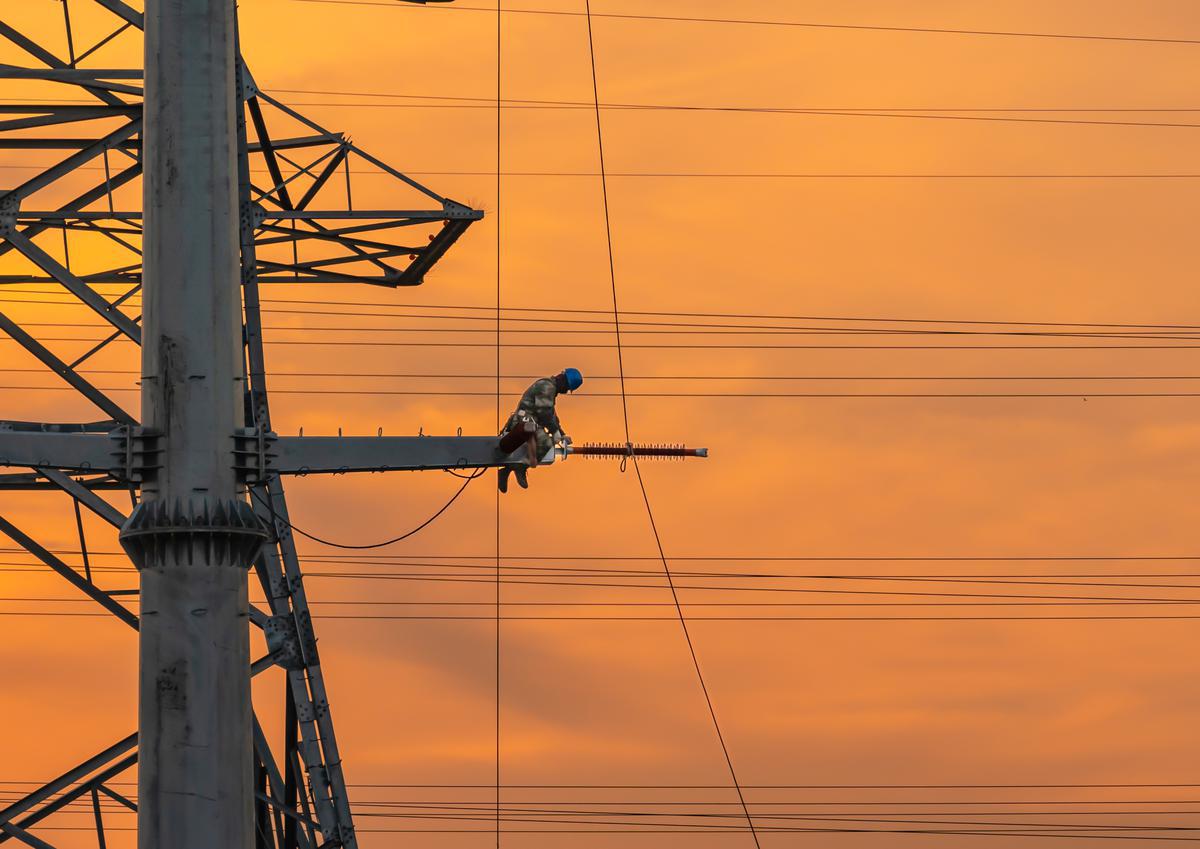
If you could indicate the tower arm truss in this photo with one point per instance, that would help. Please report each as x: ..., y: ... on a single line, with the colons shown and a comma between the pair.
x: 130, y: 458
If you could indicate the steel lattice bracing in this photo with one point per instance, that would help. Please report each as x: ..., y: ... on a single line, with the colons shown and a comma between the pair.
x: 76, y: 224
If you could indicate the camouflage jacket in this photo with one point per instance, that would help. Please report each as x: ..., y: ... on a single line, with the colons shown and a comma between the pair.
x: 538, y: 401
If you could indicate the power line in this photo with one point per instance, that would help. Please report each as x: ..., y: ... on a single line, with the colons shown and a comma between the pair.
x: 680, y: 377
x: 863, y: 558
x: 574, y: 582
x: 677, y: 314
x: 710, y: 110
x: 589, y: 570
x: 755, y: 175
x: 601, y: 582
x: 613, y: 579
x: 384, y: 393
x: 569, y: 786
x: 577, y: 581
x: 749, y: 331
x: 509, y: 618
x: 677, y: 347
x: 897, y: 597
x: 1018, y: 579
x: 497, y: 627
x: 709, y: 604
x: 804, y: 807
x: 489, y: 103
x: 835, y: 321
x: 643, y: 828
x: 681, y: 329
x: 711, y: 811
x: 429, y: 101
x: 707, y: 819
x: 904, y: 558
x: 569, y: 581
x: 703, y: 347
x: 704, y: 328
x: 778, y: 23
x: 903, y: 114
x: 795, y: 175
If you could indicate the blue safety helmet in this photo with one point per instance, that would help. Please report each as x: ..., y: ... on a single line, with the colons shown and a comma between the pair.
x: 574, y: 378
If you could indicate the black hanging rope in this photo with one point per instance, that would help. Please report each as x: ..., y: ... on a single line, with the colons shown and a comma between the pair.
x: 353, y: 547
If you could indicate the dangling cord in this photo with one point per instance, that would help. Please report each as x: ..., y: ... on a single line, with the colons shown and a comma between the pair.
x: 629, y: 448
x: 612, y: 269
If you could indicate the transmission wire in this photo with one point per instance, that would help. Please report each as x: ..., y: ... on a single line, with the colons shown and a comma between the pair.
x: 783, y: 23
x: 499, y: 255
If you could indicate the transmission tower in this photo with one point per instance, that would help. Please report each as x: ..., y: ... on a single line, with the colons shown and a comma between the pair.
x: 240, y: 190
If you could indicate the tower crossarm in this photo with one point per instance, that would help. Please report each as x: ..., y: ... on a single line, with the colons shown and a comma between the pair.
x: 301, y: 455
x: 131, y: 454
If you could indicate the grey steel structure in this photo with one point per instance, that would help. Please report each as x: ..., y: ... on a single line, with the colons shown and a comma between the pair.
x: 229, y: 205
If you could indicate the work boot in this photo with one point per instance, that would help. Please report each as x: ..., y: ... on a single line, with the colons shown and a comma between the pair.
x: 502, y: 478
x: 522, y: 477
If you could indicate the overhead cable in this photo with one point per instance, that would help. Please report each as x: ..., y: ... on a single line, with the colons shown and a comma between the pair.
x: 776, y: 23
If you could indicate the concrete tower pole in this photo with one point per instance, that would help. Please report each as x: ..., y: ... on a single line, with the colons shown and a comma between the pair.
x: 193, y: 535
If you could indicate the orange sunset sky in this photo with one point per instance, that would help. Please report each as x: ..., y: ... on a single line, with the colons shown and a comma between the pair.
x: 916, y: 207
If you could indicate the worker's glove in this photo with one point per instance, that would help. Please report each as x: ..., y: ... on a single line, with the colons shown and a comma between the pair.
x: 558, y: 436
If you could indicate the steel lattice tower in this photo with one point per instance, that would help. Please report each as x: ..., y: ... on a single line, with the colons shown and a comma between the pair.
x: 240, y: 190
x: 285, y: 201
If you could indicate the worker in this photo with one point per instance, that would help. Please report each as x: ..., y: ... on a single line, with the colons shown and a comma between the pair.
x: 538, y: 405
